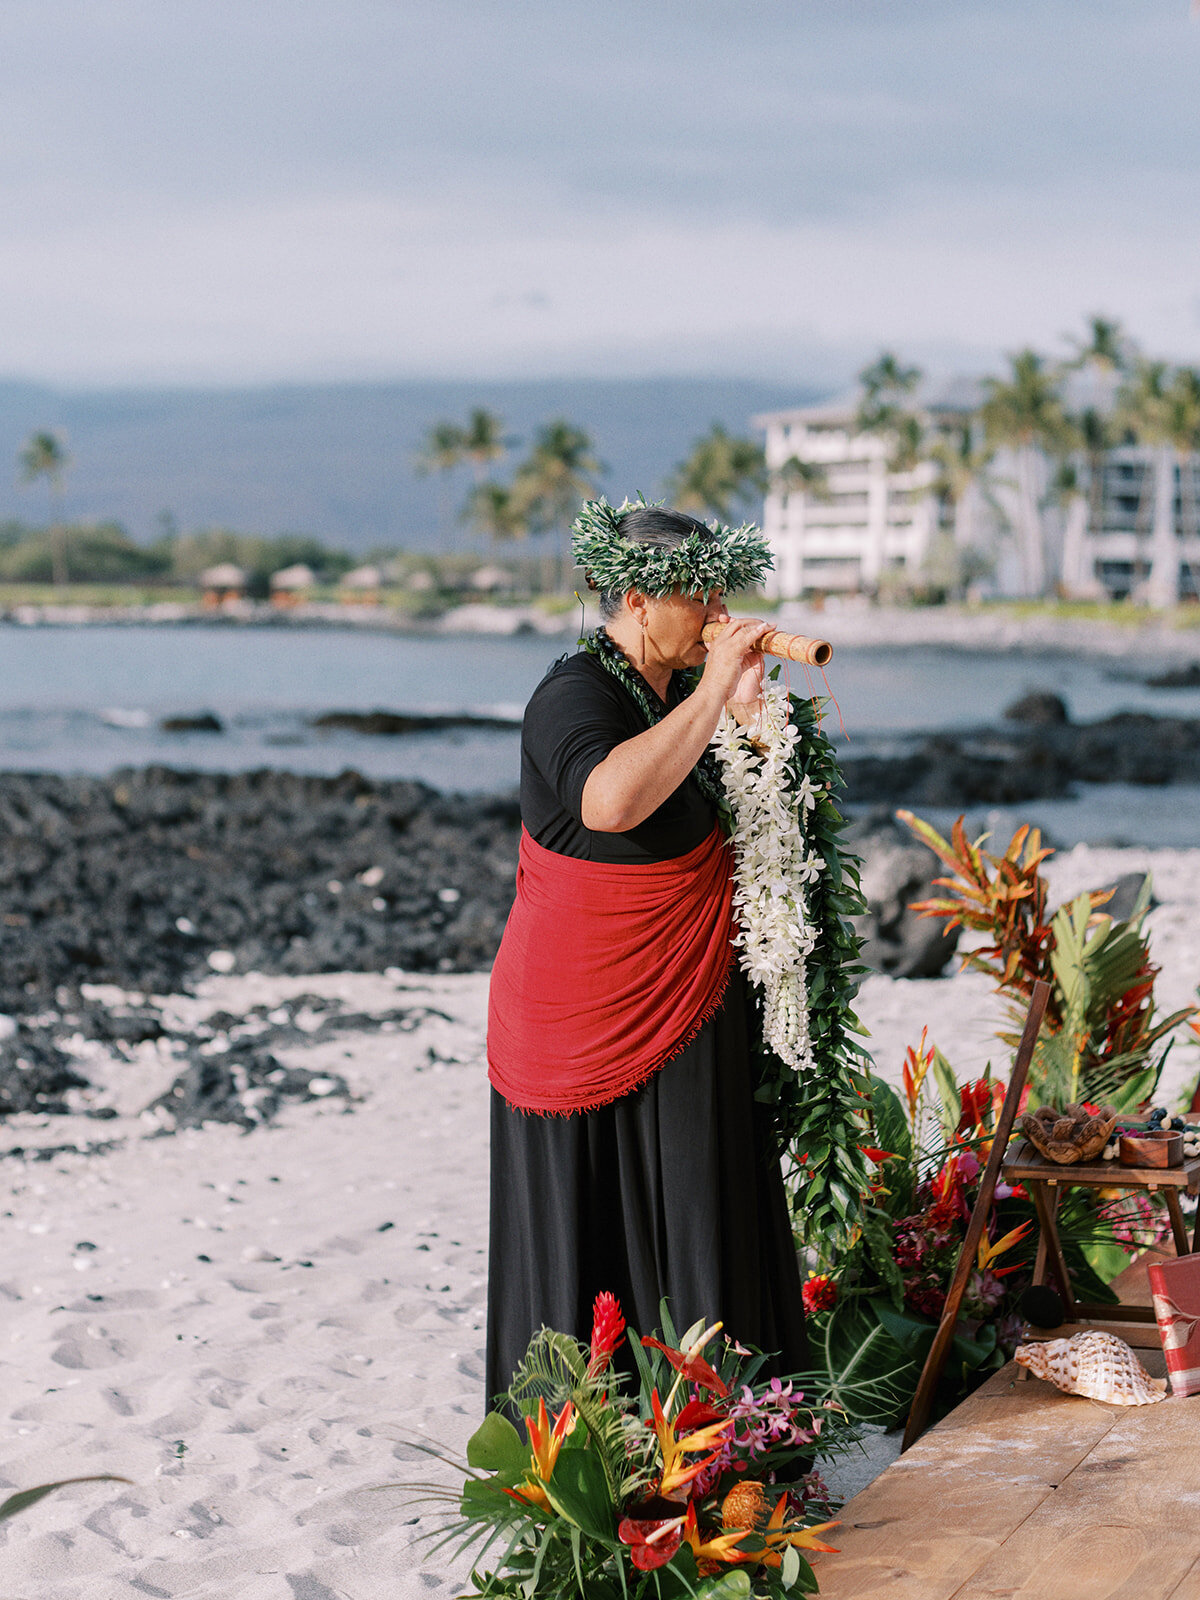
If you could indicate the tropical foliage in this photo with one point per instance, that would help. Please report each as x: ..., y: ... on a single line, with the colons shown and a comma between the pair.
x: 875, y: 1307
x: 1100, y: 1039
x: 720, y: 474
x: 695, y: 1479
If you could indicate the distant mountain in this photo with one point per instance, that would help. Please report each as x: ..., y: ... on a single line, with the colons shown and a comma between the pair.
x: 337, y: 460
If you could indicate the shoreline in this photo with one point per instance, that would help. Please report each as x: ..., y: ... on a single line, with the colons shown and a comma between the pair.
x: 852, y: 623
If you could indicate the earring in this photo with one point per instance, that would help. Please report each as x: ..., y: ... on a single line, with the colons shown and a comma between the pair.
x: 642, y: 638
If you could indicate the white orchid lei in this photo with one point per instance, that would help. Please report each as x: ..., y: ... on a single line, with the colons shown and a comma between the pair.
x: 794, y: 888
x: 774, y: 866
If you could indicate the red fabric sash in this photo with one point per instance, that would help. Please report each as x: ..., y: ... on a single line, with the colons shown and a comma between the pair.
x: 605, y: 972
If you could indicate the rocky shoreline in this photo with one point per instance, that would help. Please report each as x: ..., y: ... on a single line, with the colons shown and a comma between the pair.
x: 1036, y: 760
x: 150, y: 881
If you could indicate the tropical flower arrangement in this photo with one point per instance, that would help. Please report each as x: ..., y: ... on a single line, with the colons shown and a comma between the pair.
x: 698, y: 1482
x: 876, y: 1301
x: 875, y: 1307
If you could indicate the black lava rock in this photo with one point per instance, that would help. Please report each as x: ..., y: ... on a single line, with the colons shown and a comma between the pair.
x: 136, y: 878
x: 1177, y: 678
x: 245, y: 1086
x: 202, y: 722
x: 34, y: 1073
x: 897, y: 870
x: 1039, y: 709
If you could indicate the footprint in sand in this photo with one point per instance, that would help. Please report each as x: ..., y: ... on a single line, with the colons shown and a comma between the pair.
x: 88, y: 1345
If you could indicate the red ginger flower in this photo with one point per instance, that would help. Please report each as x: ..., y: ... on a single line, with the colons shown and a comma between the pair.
x: 608, y: 1332
x: 819, y: 1293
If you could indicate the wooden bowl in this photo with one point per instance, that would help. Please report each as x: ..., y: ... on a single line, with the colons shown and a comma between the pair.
x: 1151, y: 1149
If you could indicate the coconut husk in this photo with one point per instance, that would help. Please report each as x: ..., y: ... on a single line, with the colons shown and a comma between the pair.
x: 1070, y: 1135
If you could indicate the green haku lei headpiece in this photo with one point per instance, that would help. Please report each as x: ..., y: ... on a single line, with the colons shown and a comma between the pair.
x: 723, y: 558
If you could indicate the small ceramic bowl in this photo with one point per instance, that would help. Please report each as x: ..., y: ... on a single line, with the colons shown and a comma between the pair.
x: 1151, y: 1149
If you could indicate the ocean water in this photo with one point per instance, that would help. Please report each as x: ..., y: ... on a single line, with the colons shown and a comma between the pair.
x: 91, y: 699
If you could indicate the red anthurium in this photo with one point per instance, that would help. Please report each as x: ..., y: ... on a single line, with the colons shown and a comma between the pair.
x: 651, y: 1543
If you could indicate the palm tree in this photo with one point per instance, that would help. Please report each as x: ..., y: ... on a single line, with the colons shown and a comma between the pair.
x: 1162, y: 410
x: 961, y: 458
x: 44, y: 455
x: 1105, y: 356
x: 1025, y: 414
x: 493, y: 510
x: 887, y: 387
x: 802, y: 477
x: 1185, y: 433
x: 1106, y: 350
x: 719, y: 471
x: 561, y: 470
x: 443, y: 452
x: 483, y: 440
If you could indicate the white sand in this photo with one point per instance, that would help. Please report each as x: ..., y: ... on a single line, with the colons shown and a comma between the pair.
x: 259, y: 1400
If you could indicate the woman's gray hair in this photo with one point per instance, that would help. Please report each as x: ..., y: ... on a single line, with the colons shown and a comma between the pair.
x: 649, y: 525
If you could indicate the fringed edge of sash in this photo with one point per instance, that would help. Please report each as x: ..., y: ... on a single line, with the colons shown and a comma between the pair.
x: 648, y: 1072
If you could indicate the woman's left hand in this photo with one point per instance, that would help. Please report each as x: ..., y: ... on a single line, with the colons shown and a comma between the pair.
x: 749, y: 686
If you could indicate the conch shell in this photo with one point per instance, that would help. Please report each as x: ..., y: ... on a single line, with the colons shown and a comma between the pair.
x: 1069, y: 1135
x: 1095, y: 1364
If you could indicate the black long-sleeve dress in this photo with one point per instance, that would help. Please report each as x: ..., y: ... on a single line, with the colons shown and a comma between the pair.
x: 670, y: 1190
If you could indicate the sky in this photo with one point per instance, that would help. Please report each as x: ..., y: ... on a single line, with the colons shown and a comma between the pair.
x: 229, y: 192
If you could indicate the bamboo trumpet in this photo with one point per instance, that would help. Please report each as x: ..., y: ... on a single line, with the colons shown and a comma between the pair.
x: 790, y: 646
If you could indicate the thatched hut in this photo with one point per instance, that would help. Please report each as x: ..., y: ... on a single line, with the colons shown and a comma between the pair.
x: 221, y: 583
x: 292, y: 586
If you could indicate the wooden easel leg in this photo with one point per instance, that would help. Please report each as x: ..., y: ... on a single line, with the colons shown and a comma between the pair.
x: 1178, y: 1230
x: 918, y: 1416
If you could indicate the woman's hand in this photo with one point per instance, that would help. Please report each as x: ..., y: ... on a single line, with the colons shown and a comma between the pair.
x: 733, y: 669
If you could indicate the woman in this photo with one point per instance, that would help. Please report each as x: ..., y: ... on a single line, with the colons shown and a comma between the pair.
x: 627, y: 1150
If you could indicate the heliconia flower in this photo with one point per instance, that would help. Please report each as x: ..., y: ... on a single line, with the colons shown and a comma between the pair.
x: 676, y: 1472
x: 777, y: 1536
x: 819, y: 1292
x: 717, y: 1549
x: 877, y: 1156
x: 546, y: 1444
x: 691, y: 1363
x: 988, y: 1253
x: 608, y: 1332
x: 975, y: 1100
x: 917, y: 1063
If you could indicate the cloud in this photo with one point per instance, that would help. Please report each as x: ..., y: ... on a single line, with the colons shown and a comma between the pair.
x: 210, y: 190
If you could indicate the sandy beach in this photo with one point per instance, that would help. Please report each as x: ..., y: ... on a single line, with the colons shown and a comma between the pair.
x: 254, y: 1326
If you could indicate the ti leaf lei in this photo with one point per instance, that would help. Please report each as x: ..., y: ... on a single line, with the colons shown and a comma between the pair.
x: 820, y: 1097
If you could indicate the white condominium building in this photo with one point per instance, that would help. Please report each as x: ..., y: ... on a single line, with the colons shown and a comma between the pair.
x: 858, y: 520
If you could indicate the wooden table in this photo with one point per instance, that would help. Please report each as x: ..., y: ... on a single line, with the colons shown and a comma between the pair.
x: 1046, y: 1180
x: 1029, y: 1494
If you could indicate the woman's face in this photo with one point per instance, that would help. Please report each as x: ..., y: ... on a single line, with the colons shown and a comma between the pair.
x: 673, y: 626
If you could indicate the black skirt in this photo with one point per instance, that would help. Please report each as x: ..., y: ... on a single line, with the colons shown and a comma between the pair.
x: 668, y: 1192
